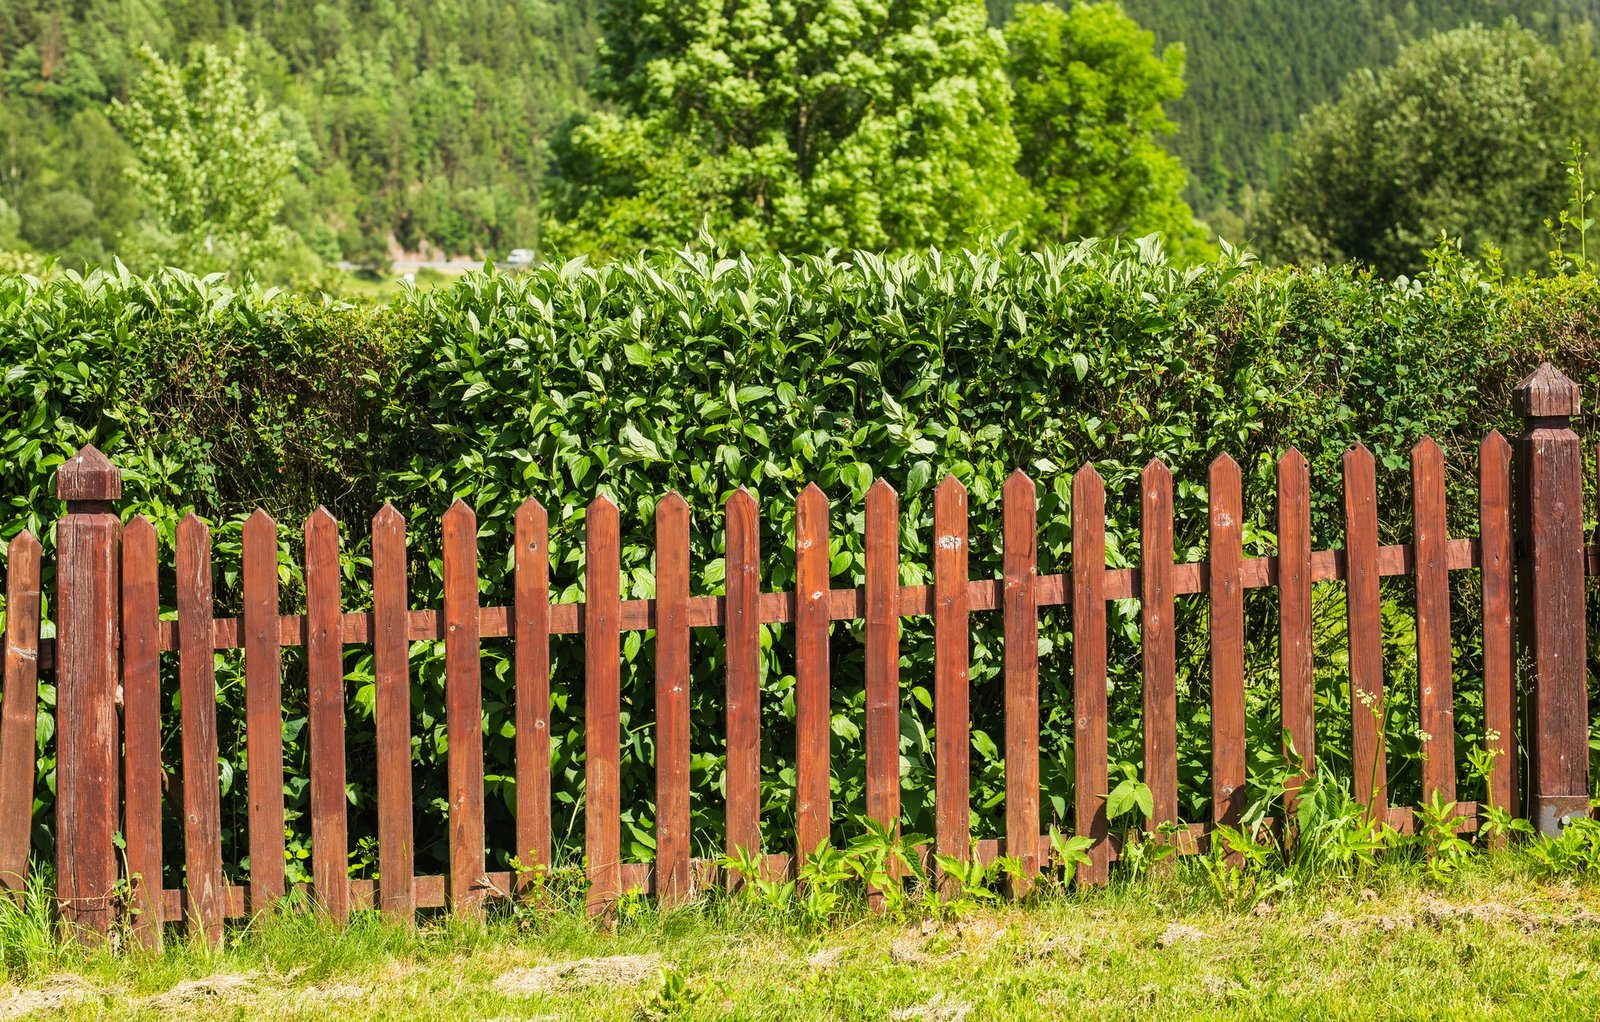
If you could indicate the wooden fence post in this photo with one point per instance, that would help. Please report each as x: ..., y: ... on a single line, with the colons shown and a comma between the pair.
x: 88, y: 552
x: 1550, y: 584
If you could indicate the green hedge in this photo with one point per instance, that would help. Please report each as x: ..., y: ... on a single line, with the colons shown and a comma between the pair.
x: 702, y: 374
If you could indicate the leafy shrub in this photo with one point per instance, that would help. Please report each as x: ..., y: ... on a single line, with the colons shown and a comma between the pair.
x: 702, y: 373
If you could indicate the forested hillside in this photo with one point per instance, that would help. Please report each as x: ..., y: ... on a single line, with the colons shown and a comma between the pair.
x: 1255, y: 66
x: 420, y: 120
x: 428, y: 125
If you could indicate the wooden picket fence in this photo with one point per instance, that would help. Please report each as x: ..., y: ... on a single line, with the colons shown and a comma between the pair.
x: 108, y: 634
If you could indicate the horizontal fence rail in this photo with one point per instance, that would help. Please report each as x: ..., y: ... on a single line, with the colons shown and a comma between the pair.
x: 124, y: 607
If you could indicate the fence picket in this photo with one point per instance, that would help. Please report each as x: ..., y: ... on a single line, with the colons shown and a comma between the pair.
x: 330, y: 841
x: 19, y: 711
x: 464, y: 708
x: 1499, y: 618
x: 1090, y: 746
x: 392, y: 714
x: 141, y: 726
x: 263, y: 687
x: 202, y: 796
x: 1227, y: 643
x: 531, y: 627
x: 742, y: 636
x: 1021, y: 608
x: 812, y: 723
x: 952, y: 711
x: 1158, y: 642
x: 1295, y: 641
x: 672, y: 700
x: 882, y: 641
x: 1365, y: 627
x: 1436, y: 712
x: 603, y: 704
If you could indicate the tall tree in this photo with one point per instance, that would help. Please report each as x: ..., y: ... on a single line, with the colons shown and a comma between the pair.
x: 212, y: 162
x: 793, y: 125
x: 1088, y: 114
x: 1464, y: 135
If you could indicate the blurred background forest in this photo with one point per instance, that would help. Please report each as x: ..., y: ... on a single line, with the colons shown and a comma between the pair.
x: 296, y: 137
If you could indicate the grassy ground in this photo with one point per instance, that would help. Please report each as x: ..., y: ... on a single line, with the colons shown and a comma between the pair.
x: 1496, y: 944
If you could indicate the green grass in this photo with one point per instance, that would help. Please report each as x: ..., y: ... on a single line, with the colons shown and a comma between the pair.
x: 1498, y: 942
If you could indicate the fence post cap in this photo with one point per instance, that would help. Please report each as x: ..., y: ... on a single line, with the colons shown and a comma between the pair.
x: 88, y: 476
x: 1547, y: 393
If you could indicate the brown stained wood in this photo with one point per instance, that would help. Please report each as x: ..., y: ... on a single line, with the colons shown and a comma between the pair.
x: 392, y: 711
x: 842, y: 604
x: 1020, y: 526
x: 1499, y: 619
x: 464, y: 710
x: 202, y: 798
x: 673, y: 882
x: 141, y: 726
x: 1092, y: 771
x: 330, y: 843
x: 263, y: 685
x: 19, y: 712
x: 602, y: 705
x: 812, y: 702
x: 1552, y: 615
x: 882, y: 642
x: 1159, y: 643
x: 1227, y: 643
x: 88, y: 750
x: 531, y: 631
x: 1295, y: 641
x: 1365, y: 629
x: 1436, y: 712
x: 951, y: 636
x: 742, y: 635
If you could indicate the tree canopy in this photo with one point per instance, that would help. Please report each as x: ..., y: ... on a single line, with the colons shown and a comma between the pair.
x: 799, y: 127
x: 793, y: 127
x: 1464, y: 135
x: 1089, y: 112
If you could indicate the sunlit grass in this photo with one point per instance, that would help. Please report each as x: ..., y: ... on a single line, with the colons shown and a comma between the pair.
x: 1500, y: 941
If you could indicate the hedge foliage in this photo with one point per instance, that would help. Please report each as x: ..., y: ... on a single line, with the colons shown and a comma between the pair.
x: 702, y: 373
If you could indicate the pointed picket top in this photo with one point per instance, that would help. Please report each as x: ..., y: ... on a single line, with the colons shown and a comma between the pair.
x: 1495, y: 444
x: 388, y: 517
x: 1223, y: 464
x: 1156, y: 473
x: 1086, y: 474
x: 461, y: 511
x: 1426, y: 452
x: 24, y: 543
x: 1546, y: 393
x: 1020, y: 484
x: 136, y: 526
x: 672, y: 501
x: 1293, y: 460
x: 193, y: 525
x: 602, y: 503
x: 319, y: 520
x: 531, y: 509
x: 950, y: 484
x: 813, y: 492
x: 258, y: 521
x: 88, y: 476
x: 741, y: 501
x: 882, y: 499
x: 1357, y: 457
